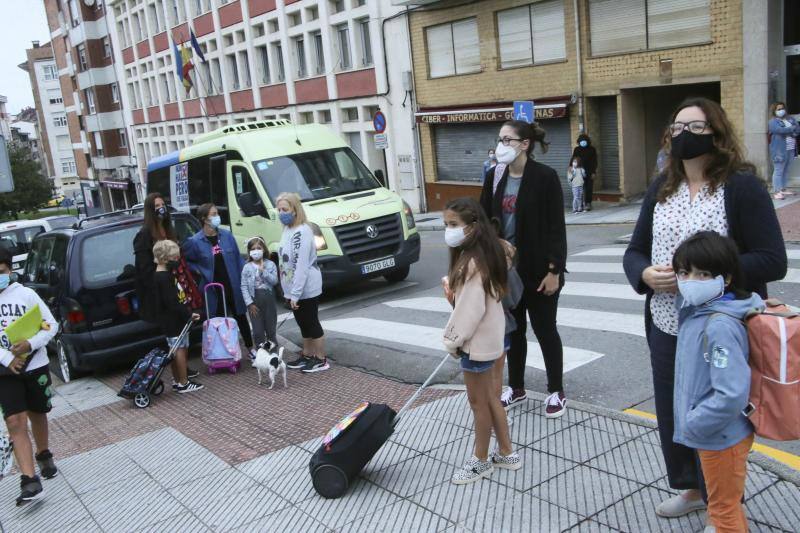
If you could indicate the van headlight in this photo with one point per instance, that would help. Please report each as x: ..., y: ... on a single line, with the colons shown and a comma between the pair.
x: 319, y: 239
x: 410, y: 222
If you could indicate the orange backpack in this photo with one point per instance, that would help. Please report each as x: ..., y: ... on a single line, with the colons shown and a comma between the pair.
x: 774, y: 337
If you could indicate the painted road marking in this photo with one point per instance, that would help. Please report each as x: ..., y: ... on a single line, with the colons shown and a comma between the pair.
x: 601, y: 290
x: 628, y: 323
x: 608, y: 252
x: 792, y: 276
x: 430, y: 338
x: 793, y: 254
x: 596, y: 268
x: 789, y: 459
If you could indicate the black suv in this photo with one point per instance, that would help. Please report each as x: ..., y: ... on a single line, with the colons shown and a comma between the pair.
x: 85, y: 274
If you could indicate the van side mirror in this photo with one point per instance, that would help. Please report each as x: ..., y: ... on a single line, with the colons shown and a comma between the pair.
x: 381, y: 178
x: 251, y: 205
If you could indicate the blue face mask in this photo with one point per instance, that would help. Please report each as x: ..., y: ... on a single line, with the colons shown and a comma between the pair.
x: 697, y: 292
x: 286, y: 218
x: 5, y: 280
x: 583, y: 144
x: 215, y: 221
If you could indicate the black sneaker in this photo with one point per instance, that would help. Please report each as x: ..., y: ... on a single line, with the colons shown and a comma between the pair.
x: 190, y: 386
x: 315, y: 365
x: 47, y: 467
x: 300, y: 362
x: 191, y: 373
x: 30, y: 489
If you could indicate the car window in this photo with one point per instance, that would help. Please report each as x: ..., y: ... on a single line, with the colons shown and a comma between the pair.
x: 58, y: 260
x: 29, y: 233
x: 37, y: 268
x: 242, y: 182
x: 10, y: 241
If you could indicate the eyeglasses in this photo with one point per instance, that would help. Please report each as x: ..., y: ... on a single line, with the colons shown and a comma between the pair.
x: 695, y: 126
x: 507, y: 140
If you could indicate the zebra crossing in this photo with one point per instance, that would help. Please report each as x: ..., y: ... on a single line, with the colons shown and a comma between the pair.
x: 600, y: 316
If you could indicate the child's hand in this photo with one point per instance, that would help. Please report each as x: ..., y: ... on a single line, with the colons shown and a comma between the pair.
x: 195, y: 317
x: 16, y: 365
x: 21, y: 348
x: 253, y: 308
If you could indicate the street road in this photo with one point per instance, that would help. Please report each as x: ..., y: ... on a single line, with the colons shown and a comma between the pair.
x: 395, y: 330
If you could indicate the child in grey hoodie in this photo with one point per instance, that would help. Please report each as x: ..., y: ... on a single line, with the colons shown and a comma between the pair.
x: 712, y: 376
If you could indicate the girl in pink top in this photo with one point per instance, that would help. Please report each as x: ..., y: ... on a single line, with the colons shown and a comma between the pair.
x: 474, y: 334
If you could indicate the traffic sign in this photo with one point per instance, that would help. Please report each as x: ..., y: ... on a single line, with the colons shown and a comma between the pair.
x: 381, y: 141
x: 6, y: 179
x: 379, y: 122
x: 523, y: 110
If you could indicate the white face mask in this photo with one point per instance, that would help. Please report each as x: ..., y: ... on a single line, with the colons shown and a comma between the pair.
x: 780, y: 113
x: 505, y: 154
x: 697, y: 292
x: 574, y: 165
x: 454, y: 237
x: 256, y: 254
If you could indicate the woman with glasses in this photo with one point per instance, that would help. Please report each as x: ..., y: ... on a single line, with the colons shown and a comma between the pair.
x: 706, y: 186
x: 524, y: 197
x: 782, y: 147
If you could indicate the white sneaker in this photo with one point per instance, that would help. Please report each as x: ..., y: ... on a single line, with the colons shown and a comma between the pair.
x: 473, y: 470
x: 510, y: 462
x: 679, y: 506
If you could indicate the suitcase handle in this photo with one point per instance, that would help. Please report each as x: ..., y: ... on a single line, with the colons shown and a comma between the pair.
x: 419, y: 390
x: 221, y: 288
x: 183, y: 334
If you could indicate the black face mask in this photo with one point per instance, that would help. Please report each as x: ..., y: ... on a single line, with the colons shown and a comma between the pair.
x: 162, y: 213
x: 173, y: 265
x: 689, y: 145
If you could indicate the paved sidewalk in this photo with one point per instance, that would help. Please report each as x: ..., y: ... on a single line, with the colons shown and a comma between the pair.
x: 592, y: 470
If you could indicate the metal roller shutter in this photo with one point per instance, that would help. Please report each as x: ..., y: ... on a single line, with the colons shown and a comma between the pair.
x: 609, y: 145
x: 559, y: 152
x: 461, y: 150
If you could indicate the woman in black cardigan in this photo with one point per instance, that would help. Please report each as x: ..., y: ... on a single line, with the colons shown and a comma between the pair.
x: 707, y: 185
x: 525, y: 197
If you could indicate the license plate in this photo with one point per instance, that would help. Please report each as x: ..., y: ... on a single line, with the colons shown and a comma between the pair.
x: 383, y: 264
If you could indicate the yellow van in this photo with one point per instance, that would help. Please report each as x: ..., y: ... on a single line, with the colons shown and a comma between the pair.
x: 362, y: 229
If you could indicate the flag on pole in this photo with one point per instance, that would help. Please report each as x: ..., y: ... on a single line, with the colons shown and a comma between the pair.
x: 196, y: 46
x: 178, y: 60
x: 187, y: 66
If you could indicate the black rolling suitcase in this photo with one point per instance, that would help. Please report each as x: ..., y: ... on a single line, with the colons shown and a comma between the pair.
x: 351, y: 444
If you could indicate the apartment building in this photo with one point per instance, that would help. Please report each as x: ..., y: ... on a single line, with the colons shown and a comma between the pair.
x: 303, y: 60
x: 614, y: 69
x: 92, y: 103
x: 5, y: 119
x: 58, y: 157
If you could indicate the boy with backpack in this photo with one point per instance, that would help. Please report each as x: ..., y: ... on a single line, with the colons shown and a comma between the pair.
x: 25, y: 386
x: 712, y: 374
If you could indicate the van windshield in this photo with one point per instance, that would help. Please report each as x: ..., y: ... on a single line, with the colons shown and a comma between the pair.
x: 315, y: 175
x: 18, y: 241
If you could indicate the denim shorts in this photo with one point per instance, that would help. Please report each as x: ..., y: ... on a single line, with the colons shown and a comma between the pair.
x: 476, y: 367
x: 171, y: 341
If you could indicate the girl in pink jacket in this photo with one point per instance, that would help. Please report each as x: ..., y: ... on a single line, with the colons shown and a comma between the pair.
x: 474, y: 334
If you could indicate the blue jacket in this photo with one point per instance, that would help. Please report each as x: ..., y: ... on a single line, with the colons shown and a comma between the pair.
x: 712, y: 375
x: 778, y: 133
x: 199, y: 256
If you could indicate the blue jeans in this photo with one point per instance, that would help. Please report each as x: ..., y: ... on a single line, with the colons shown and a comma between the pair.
x: 780, y: 171
x: 577, y: 198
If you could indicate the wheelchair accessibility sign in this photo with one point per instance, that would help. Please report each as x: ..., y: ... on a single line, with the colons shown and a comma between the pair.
x: 523, y: 110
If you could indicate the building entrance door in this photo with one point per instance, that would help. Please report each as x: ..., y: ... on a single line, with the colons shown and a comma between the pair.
x: 793, y: 78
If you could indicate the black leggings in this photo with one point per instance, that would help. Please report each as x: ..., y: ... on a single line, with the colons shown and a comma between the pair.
x: 542, y: 310
x: 588, y: 190
x: 307, y: 318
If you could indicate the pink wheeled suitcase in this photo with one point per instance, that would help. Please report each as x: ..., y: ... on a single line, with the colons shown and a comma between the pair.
x: 221, y: 349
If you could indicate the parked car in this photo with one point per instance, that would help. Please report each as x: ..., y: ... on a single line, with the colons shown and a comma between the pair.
x: 86, y: 275
x: 17, y: 236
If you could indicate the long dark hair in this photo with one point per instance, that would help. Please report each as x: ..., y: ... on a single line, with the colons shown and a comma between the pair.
x: 726, y: 156
x: 532, y: 132
x: 158, y: 228
x: 708, y: 250
x: 481, y: 247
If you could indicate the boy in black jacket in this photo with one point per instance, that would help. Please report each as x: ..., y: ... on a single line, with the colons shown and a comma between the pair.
x: 173, y: 312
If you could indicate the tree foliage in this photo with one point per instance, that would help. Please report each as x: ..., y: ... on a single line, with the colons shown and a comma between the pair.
x: 31, y: 189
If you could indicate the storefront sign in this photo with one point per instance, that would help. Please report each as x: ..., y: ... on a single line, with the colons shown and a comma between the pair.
x: 495, y: 115
x: 179, y: 186
x: 115, y: 184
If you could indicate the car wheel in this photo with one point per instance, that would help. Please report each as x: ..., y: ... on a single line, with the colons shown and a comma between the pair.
x: 67, y: 372
x: 397, y: 275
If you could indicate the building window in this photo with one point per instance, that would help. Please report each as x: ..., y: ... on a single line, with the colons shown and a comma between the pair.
x: 324, y: 116
x: 343, y: 46
x: 68, y: 166
x: 106, y: 47
x: 531, y: 34
x: 319, y: 54
x: 59, y: 121
x: 300, y: 57
x: 245, y: 68
x: 83, y: 63
x: 306, y: 117
x: 337, y: 6
x: 123, y: 139
x: 175, y: 12
x: 233, y: 71
x: 98, y: 144
x: 263, y: 64
x: 350, y: 114
x: 366, y: 42
x: 50, y: 72
x: 200, y: 6
x: 453, y: 48
x: 278, y: 50
x: 216, y: 71
x: 54, y: 96
x: 89, y: 95
x: 74, y: 13
x: 114, y: 93
x: 359, y: 3
x: 155, y: 21
x: 137, y: 25
x: 618, y: 26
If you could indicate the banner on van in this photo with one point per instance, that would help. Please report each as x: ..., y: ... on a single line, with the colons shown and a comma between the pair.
x: 179, y: 186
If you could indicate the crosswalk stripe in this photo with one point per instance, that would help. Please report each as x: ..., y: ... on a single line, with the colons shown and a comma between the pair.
x: 596, y: 268
x: 792, y: 276
x: 628, y: 323
x: 600, y: 290
x: 793, y: 254
x: 595, y: 252
x: 431, y: 338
